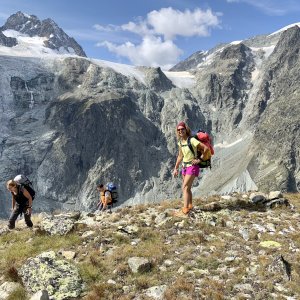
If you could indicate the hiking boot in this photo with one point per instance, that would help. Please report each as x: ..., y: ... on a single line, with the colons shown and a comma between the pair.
x: 183, y: 213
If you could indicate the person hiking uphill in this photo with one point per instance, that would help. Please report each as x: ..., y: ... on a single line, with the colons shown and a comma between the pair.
x: 190, y: 167
x: 21, y: 203
x: 105, y: 198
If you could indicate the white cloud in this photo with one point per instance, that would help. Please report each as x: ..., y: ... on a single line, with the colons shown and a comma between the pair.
x: 158, y: 30
x: 169, y: 22
x: 140, y: 28
x: 273, y: 7
x: 107, y: 28
x: 152, y: 51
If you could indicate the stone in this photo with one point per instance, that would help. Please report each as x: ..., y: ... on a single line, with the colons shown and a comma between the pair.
x: 258, y: 198
x: 49, y: 272
x: 88, y: 234
x: 40, y: 295
x: 57, y: 225
x: 68, y: 254
x: 270, y: 244
x: 244, y: 233
x: 7, y: 288
x: 139, y: 264
x: 156, y: 292
x: 275, y: 195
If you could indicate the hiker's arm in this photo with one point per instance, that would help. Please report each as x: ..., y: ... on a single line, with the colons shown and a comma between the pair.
x: 13, y: 202
x: 28, y: 196
x: 178, y: 161
x: 204, y: 150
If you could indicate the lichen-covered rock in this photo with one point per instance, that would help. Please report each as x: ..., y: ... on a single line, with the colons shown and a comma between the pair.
x: 61, y: 224
x: 48, y: 272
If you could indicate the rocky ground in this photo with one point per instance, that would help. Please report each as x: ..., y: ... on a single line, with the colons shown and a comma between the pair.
x: 242, y: 246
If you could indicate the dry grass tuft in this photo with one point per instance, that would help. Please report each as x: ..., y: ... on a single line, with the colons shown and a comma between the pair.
x: 180, y: 289
x: 11, y: 274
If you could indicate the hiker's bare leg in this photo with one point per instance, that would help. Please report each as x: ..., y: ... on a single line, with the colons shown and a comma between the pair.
x: 186, y: 189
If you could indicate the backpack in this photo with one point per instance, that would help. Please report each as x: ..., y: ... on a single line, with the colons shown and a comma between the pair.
x: 205, y: 139
x: 112, y: 188
x: 23, y: 181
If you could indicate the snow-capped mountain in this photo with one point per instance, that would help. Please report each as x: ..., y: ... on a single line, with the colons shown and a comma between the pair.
x: 27, y: 31
x: 70, y: 122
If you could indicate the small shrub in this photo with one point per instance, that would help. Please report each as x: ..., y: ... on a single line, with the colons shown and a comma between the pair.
x: 11, y: 274
x: 181, y: 289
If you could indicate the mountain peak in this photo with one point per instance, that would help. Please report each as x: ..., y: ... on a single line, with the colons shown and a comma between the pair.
x: 55, y: 37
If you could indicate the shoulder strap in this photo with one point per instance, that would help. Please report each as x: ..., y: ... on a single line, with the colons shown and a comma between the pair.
x: 190, y: 145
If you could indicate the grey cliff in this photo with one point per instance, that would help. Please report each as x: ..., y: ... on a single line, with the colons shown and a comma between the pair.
x: 70, y: 123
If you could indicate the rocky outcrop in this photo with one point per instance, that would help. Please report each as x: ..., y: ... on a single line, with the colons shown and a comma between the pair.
x: 190, y: 63
x: 30, y: 25
x: 7, y: 41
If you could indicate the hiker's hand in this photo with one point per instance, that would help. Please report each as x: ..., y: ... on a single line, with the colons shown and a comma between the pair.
x: 196, y: 161
x: 175, y: 172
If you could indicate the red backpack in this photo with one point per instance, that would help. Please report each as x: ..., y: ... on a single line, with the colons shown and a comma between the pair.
x: 205, y: 139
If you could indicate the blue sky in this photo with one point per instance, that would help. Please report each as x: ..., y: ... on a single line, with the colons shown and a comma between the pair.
x: 157, y: 32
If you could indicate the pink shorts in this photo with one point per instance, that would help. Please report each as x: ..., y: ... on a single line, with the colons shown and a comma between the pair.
x: 191, y: 170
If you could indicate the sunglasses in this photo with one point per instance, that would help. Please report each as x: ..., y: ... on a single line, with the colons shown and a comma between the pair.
x: 180, y: 129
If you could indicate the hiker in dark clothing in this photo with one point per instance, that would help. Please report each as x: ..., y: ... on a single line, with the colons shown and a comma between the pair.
x: 21, y: 203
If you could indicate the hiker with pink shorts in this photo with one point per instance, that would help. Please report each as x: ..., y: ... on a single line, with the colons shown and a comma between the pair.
x: 190, y: 167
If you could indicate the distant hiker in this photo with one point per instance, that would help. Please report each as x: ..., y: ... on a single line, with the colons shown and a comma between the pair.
x: 190, y: 167
x: 21, y: 203
x: 99, y: 205
x: 105, y: 198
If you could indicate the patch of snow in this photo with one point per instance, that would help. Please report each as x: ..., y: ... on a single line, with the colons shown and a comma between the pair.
x: 213, y: 108
x: 267, y: 50
x: 27, y: 16
x: 30, y: 46
x: 226, y: 145
x: 71, y: 50
x: 236, y: 42
x: 210, y: 58
x: 181, y: 79
x: 127, y: 70
x: 285, y: 28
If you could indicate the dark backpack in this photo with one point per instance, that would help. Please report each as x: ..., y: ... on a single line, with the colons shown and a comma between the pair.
x: 112, y: 188
x: 23, y: 181
x: 205, y: 139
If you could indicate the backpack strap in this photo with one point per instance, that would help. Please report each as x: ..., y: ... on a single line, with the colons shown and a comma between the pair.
x: 190, y: 145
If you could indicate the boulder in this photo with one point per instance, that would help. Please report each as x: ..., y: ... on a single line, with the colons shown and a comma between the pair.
x: 7, y: 288
x: 49, y: 272
x: 139, y: 264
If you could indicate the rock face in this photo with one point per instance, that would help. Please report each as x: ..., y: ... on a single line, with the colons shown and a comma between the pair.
x: 32, y: 26
x: 7, y: 41
x: 70, y: 123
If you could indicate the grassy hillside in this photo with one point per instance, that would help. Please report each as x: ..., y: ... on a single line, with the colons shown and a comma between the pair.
x: 225, y: 249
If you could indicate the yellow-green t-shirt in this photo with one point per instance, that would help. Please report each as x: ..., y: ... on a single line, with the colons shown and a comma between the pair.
x: 188, y: 155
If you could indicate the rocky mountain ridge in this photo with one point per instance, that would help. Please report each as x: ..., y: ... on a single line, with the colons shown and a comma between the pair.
x: 71, y: 122
x: 31, y: 26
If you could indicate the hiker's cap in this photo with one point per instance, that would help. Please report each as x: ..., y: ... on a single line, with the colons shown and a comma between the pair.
x: 181, y: 124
